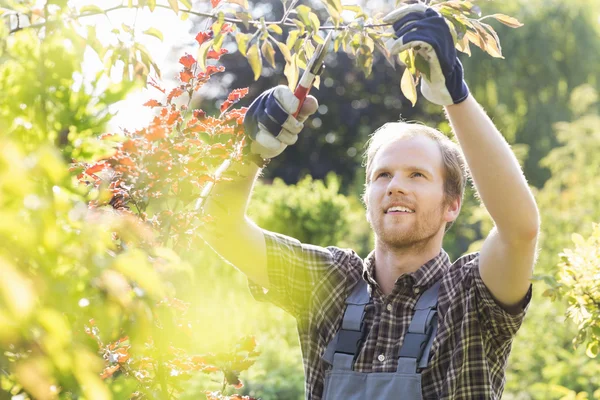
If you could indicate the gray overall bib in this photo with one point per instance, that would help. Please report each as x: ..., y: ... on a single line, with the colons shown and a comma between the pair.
x: 341, y: 382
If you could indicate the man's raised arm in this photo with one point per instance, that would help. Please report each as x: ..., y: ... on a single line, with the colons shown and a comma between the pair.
x: 508, y: 254
x: 270, y: 128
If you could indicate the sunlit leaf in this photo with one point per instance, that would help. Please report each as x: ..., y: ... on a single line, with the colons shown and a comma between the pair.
x: 245, y: 17
x: 291, y: 39
x: 292, y: 72
x: 91, y: 9
x: 174, y: 4
x: 268, y: 52
x: 422, y: 66
x: 506, y: 20
x: 202, y: 54
x: 154, y: 32
x: 275, y: 28
x: 242, y: 42
x: 408, y: 86
x: 255, y: 60
x: 285, y: 52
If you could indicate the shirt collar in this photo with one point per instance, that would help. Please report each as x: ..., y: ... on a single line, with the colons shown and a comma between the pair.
x: 424, y: 277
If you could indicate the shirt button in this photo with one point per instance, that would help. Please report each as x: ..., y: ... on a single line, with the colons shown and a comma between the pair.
x: 389, y: 307
x: 416, y: 290
x: 381, y: 357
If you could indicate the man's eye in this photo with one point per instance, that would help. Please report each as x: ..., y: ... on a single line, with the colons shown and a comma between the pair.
x: 383, y: 175
x: 418, y: 173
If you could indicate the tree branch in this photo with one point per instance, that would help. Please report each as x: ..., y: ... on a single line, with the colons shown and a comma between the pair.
x: 196, y: 13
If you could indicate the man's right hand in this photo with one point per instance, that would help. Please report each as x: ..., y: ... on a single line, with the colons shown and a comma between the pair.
x: 270, y: 124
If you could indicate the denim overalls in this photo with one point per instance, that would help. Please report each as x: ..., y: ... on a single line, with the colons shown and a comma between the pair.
x: 342, y: 383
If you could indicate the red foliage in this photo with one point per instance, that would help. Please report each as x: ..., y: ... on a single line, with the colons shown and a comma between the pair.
x: 203, y: 36
x: 215, y: 55
x: 172, y: 158
x: 187, y: 61
x: 215, y: 3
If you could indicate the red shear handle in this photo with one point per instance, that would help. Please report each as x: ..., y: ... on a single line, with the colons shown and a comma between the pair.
x: 306, y: 82
x: 300, y: 93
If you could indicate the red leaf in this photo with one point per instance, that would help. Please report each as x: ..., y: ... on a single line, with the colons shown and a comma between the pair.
x: 174, y: 93
x: 215, y: 3
x: 203, y: 36
x: 186, y: 75
x: 96, y: 168
x: 155, y: 85
x: 109, y: 371
x: 237, y: 94
x: 152, y: 103
x: 215, y: 55
x: 227, y: 27
x: 156, y: 133
x: 173, y: 117
x: 226, y: 105
x: 199, y: 114
x: 187, y: 61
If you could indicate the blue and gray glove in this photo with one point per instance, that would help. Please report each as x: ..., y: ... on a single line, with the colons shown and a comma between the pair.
x: 270, y: 124
x: 421, y: 28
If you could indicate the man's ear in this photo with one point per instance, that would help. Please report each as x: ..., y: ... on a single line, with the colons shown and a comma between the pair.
x: 452, y: 209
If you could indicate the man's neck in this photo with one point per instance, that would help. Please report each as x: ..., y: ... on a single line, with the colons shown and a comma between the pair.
x: 391, y: 263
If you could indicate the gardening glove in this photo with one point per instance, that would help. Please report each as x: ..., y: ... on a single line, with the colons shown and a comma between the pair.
x: 270, y: 124
x: 421, y: 28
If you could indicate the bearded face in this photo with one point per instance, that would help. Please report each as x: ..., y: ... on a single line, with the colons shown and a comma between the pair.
x: 405, y: 195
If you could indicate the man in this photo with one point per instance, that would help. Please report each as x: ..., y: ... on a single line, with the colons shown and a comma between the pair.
x: 405, y: 323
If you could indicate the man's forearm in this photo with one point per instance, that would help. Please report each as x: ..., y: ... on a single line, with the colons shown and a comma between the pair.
x: 495, y: 170
x: 228, y: 200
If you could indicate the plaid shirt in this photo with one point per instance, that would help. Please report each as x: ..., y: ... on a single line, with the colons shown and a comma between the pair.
x: 474, y: 338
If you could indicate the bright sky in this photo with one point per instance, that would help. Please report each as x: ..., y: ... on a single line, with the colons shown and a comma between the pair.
x: 130, y: 114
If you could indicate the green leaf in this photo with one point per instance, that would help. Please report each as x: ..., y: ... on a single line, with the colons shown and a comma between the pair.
x: 268, y: 52
x: 245, y: 17
x: 592, y: 350
x: 292, y: 72
x: 408, y: 86
x: 285, y: 52
x: 242, y: 42
x: 154, y: 32
x: 91, y: 9
x: 291, y: 39
x: 174, y: 6
x: 255, y: 60
x: 422, y: 66
x: 202, y: 52
x: 506, y: 20
x: 218, y: 41
x: 218, y: 24
x: 275, y: 28
x: 186, y: 3
x: 151, y: 5
x: 303, y: 12
x: 315, y: 24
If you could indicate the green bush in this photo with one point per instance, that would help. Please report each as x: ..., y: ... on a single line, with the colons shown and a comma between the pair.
x: 312, y: 211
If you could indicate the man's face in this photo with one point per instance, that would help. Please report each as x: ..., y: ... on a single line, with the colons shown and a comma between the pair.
x: 407, y: 173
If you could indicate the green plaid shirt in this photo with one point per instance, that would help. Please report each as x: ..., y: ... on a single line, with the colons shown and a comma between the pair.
x: 469, y: 353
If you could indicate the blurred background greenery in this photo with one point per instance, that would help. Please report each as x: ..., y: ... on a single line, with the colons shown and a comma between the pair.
x: 543, y: 97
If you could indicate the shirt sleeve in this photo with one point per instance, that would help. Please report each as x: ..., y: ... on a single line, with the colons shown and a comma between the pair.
x: 293, y: 269
x: 498, y: 321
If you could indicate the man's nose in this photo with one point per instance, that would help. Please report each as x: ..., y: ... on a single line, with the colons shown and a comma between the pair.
x: 397, y: 185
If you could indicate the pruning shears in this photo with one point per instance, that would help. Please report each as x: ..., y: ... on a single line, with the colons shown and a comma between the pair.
x: 314, y: 67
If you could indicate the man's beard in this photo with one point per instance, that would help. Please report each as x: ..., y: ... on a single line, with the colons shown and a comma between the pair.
x: 409, y: 234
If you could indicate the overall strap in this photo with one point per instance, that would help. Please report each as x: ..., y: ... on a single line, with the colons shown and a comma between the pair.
x: 344, y: 347
x: 414, y: 352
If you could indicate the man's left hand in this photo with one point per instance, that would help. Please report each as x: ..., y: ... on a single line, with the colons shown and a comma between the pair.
x: 423, y: 29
